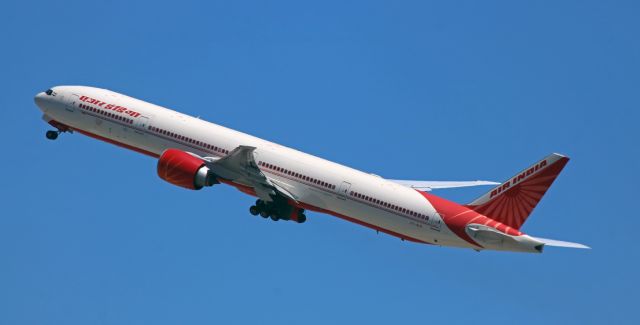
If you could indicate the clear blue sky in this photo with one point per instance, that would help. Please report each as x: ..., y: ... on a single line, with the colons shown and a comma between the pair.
x: 458, y: 90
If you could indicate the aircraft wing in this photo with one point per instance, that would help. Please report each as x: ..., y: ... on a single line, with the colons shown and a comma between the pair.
x: 240, y: 167
x: 430, y: 185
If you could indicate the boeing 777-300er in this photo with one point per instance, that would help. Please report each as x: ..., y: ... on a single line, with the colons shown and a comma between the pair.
x: 193, y: 154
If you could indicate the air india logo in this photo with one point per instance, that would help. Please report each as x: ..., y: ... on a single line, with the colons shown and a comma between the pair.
x: 518, y: 178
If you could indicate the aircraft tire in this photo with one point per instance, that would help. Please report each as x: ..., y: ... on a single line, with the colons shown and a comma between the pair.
x: 52, y: 135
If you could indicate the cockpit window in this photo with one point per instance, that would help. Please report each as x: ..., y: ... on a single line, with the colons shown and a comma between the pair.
x: 49, y: 92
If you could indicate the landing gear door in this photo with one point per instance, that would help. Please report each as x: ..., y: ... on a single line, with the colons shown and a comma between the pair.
x: 343, y: 190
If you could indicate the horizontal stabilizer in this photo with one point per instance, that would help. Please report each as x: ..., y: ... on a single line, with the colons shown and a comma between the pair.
x: 559, y: 243
x: 430, y: 185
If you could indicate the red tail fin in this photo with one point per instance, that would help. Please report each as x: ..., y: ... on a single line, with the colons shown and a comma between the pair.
x: 511, y: 202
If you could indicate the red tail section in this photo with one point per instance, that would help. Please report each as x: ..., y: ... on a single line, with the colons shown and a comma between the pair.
x: 511, y: 202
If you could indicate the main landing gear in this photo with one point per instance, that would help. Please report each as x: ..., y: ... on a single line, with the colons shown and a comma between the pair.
x: 277, y: 211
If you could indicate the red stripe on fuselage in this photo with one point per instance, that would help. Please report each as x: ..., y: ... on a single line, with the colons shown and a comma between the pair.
x: 242, y: 188
x: 95, y: 136
x: 250, y: 191
x: 362, y: 223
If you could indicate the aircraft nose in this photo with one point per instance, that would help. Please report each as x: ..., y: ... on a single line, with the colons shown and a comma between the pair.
x: 40, y: 100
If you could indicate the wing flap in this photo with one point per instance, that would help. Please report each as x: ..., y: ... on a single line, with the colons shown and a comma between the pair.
x: 240, y: 166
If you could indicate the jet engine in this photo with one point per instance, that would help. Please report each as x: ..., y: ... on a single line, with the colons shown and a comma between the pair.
x: 182, y: 169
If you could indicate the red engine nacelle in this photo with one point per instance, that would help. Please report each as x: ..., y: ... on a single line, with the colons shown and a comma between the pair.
x: 182, y: 169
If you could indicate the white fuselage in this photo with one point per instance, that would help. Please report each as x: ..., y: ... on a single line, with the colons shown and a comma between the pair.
x: 320, y: 184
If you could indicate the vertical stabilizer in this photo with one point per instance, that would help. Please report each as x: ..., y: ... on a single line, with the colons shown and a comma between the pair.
x: 511, y: 202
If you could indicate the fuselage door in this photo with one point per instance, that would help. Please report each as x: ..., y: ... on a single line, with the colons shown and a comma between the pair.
x: 141, y: 124
x: 435, y: 222
x: 343, y: 190
x: 72, y: 101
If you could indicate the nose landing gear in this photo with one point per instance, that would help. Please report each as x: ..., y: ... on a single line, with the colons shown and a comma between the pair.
x: 60, y: 128
x: 52, y: 135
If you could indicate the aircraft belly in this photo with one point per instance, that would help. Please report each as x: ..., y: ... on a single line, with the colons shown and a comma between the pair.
x: 361, y: 212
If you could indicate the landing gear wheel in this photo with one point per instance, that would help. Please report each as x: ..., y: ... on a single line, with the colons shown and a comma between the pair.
x: 264, y: 214
x: 52, y: 135
x: 302, y: 218
x: 254, y: 210
x: 274, y: 217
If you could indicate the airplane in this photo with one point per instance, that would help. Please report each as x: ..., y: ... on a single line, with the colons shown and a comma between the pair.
x: 192, y: 153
